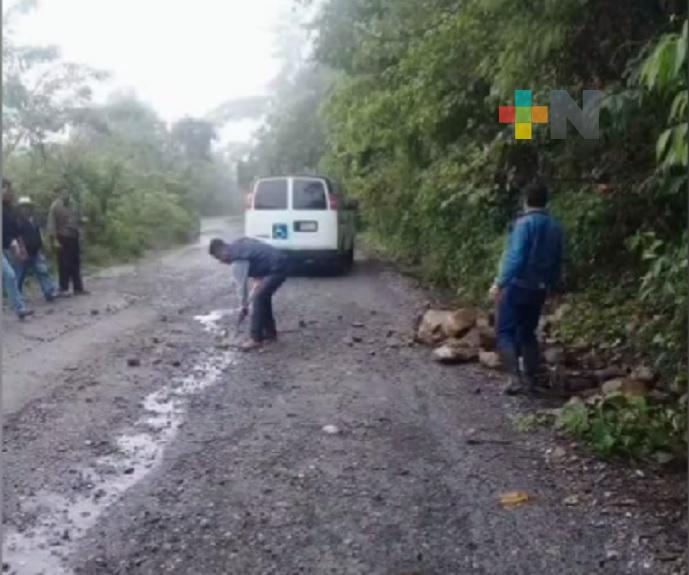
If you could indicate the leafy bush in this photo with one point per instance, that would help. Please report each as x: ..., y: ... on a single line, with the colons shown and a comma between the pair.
x: 628, y: 426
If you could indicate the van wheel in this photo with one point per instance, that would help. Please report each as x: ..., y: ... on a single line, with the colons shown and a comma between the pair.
x: 346, y: 261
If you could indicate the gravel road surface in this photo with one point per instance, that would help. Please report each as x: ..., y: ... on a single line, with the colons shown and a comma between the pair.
x: 138, y: 442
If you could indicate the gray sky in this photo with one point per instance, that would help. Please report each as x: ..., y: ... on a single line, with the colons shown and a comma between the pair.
x: 182, y: 56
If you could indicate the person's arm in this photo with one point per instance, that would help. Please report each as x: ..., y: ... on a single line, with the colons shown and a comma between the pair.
x: 515, y: 255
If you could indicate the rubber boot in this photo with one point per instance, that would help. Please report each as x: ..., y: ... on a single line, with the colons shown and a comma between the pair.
x: 531, y: 358
x: 510, y: 362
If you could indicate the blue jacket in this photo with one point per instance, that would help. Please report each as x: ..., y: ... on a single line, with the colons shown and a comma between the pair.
x: 533, y: 258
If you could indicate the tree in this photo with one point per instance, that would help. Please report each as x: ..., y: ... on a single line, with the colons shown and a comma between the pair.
x: 42, y: 94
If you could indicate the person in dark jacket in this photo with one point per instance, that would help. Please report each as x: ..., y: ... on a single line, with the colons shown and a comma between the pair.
x: 35, y: 262
x: 530, y: 271
x: 268, y: 267
x: 12, y: 251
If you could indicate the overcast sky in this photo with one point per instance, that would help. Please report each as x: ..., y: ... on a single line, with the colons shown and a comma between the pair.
x: 182, y: 56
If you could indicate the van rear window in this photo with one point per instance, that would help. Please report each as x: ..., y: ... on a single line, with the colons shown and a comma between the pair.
x: 271, y: 195
x: 309, y: 195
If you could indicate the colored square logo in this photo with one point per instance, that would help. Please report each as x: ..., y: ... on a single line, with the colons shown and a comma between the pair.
x: 539, y: 114
x: 522, y: 98
x: 522, y: 131
x: 523, y: 115
x: 279, y: 231
x: 506, y: 114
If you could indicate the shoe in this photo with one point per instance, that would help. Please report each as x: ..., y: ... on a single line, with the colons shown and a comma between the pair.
x: 250, y: 345
x: 513, y: 387
x: 63, y: 293
x: 25, y: 313
x: 510, y: 361
x: 82, y: 292
x: 272, y: 338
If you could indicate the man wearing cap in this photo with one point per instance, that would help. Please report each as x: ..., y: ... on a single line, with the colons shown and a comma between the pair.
x: 35, y: 262
x: 12, y: 250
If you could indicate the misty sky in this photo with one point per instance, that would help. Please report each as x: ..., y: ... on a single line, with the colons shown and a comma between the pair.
x: 181, y: 56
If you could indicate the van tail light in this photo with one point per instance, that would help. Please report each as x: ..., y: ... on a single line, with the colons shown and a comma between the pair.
x: 334, y: 202
x: 249, y: 201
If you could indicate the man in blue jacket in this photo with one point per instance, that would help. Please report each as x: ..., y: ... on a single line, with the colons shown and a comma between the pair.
x: 269, y: 267
x: 530, y: 271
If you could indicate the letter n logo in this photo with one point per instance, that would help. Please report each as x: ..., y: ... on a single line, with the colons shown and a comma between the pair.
x: 585, y: 120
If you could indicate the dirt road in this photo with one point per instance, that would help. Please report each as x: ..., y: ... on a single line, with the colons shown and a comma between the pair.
x: 137, y: 443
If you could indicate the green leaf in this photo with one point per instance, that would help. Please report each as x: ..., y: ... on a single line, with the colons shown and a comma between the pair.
x: 662, y: 145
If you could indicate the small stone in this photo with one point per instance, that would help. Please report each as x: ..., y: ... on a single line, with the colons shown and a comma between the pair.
x: 331, y: 429
x: 558, y: 453
x: 95, y: 312
x: 612, y: 555
x: 358, y: 325
x: 489, y: 359
x: 129, y: 471
x: 644, y: 374
x: 133, y: 362
x: 571, y: 501
x: 625, y: 386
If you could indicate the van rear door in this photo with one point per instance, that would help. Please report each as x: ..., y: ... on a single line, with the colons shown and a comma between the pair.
x: 268, y: 216
x: 314, y: 218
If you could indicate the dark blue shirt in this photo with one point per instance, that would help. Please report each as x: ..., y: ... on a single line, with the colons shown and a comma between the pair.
x: 264, y: 259
x: 30, y: 232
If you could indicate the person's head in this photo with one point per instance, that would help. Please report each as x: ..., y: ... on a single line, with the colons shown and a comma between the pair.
x: 7, y: 192
x: 217, y: 249
x: 536, y: 195
x: 25, y: 206
x: 63, y: 193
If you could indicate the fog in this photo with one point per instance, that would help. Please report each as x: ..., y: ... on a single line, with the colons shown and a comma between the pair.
x: 183, y: 57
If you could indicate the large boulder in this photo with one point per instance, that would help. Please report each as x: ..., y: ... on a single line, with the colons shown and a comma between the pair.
x: 438, y: 325
x: 459, y: 350
x: 487, y: 337
x: 449, y: 353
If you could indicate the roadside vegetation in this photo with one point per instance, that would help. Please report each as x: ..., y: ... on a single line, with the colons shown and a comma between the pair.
x: 399, y: 102
x: 141, y: 183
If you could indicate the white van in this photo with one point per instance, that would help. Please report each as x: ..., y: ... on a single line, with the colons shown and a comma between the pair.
x: 304, y: 216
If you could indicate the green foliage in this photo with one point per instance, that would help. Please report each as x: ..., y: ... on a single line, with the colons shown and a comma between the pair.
x: 410, y: 127
x: 532, y: 421
x: 140, y: 185
x: 629, y: 427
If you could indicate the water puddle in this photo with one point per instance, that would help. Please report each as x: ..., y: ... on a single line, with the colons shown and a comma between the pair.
x: 62, y: 521
x: 210, y: 321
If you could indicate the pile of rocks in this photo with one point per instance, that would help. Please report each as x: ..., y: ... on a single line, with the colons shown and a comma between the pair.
x: 460, y: 336
x: 467, y: 335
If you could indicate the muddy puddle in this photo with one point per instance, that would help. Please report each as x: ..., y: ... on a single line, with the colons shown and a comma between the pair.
x: 45, y: 549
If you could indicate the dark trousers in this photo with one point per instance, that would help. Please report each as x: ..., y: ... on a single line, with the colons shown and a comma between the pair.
x: 518, y: 313
x: 262, y: 319
x: 69, y: 264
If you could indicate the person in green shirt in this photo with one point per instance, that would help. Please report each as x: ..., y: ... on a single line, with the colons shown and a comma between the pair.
x: 64, y: 230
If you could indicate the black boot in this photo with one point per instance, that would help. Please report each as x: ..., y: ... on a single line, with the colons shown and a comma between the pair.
x: 531, y: 357
x: 510, y: 362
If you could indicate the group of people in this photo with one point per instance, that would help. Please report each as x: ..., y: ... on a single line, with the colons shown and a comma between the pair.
x: 23, y: 247
x: 530, y: 272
